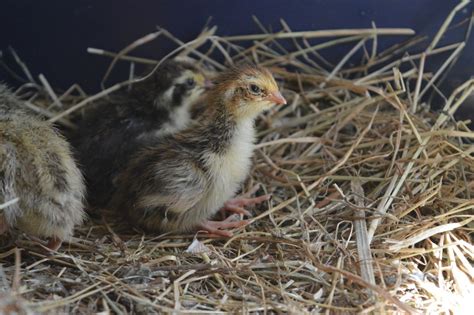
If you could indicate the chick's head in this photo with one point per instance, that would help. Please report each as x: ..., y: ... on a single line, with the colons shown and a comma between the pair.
x: 248, y: 90
x: 176, y: 84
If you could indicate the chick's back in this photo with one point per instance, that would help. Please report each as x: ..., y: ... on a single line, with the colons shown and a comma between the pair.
x: 106, y: 138
x: 116, y: 127
x: 36, y: 166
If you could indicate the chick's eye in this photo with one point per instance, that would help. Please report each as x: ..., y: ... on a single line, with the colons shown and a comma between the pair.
x: 190, y: 82
x: 255, y: 89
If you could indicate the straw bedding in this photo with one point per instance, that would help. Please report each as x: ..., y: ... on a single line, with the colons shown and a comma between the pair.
x: 372, y: 194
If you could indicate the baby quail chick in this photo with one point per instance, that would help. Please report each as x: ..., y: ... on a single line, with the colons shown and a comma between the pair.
x: 36, y: 166
x: 114, y: 129
x: 180, y: 181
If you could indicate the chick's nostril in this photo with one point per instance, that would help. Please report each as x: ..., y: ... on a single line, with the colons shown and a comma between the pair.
x: 277, y: 98
x: 208, y: 84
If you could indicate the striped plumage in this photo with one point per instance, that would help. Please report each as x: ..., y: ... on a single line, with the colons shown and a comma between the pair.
x: 36, y: 166
x: 180, y: 181
x: 116, y: 127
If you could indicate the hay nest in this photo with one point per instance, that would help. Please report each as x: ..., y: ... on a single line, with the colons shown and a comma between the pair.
x: 372, y: 193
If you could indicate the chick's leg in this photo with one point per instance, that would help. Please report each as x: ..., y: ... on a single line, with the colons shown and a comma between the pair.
x: 216, y: 227
x: 236, y: 205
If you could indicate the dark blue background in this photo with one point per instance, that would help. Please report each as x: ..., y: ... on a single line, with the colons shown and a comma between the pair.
x: 52, y: 36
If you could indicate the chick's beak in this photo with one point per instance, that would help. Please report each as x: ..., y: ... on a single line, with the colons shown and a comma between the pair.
x: 276, y: 98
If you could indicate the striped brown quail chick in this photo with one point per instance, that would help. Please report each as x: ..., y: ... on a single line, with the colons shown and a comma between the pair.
x: 41, y: 188
x: 115, y: 128
x: 179, y: 182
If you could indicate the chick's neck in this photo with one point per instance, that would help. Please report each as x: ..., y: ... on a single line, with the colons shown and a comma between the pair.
x: 219, y: 124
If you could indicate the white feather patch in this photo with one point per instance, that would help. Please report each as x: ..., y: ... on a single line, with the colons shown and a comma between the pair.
x: 197, y: 247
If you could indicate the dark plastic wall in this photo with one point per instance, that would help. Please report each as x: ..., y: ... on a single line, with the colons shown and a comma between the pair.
x: 52, y: 36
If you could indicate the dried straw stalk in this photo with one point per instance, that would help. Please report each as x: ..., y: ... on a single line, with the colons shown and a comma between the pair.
x: 372, y: 207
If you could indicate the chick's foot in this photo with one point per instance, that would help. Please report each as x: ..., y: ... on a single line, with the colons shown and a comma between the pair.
x: 236, y: 205
x: 54, y: 243
x: 217, y: 227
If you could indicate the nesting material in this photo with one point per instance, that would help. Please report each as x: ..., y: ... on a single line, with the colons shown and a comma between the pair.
x: 372, y: 193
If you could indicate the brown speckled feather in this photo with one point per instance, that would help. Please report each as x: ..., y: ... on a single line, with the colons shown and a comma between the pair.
x: 37, y: 167
x: 119, y: 125
x: 181, y: 180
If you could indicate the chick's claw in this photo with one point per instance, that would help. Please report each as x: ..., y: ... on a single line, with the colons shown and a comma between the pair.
x: 239, y: 202
x: 54, y: 243
x: 216, y: 227
x: 235, y: 209
x: 236, y: 205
